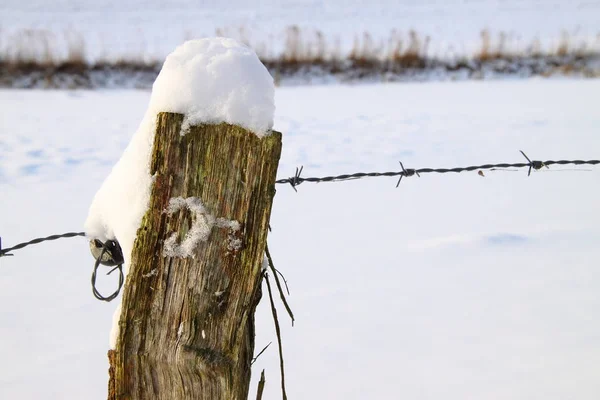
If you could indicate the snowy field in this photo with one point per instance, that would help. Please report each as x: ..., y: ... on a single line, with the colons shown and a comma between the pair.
x: 149, y: 29
x: 449, y: 287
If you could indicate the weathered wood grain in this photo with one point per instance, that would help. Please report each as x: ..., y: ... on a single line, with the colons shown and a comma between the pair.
x: 187, y: 324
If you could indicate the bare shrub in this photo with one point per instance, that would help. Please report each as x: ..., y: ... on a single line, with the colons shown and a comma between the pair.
x: 365, y: 54
x: 336, y: 58
x: 485, y: 53
x: 535, y: 48
x: 31, y: 47
x: 413, y: 56
x: 489, y: 52
x: 321, y: 48
x: 501, y: 50
x: 293, y: 52
x: 75, y: 59
x: 563, y: 45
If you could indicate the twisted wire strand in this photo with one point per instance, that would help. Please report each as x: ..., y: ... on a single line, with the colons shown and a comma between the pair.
x: 5, y: 252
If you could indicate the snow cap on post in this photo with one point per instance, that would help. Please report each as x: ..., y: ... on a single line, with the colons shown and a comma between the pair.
x: 216, y: 80
x: 210, y: 81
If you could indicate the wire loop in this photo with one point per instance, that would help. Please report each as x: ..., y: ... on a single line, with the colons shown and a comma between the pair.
x: 110, y: 255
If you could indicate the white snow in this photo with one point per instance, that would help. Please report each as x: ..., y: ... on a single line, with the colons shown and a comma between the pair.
x: 202, y: 226
x: 151, y: 273
x: 114, y: 330
x: 199, y: 232
x: 216, y: 80
x: 455, y: 286
x: 234, y: 243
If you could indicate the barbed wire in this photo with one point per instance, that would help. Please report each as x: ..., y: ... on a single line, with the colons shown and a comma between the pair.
x: 297, y: 179
x: 109, y: 253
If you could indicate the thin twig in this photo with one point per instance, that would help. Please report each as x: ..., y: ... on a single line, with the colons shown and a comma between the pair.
x: 283, y: 299
x: 287, y: 289
x: 278, y: 331
x: 261, y: 385
x: 258, y: 355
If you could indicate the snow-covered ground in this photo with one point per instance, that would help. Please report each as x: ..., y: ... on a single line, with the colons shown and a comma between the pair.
x: 451, y: 286
x: 150, y: 29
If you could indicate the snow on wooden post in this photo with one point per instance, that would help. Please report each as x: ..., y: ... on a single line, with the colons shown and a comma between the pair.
x: 196, y: 238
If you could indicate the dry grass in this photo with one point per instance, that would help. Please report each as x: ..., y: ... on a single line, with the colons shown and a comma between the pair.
x: 29, y: 47
x: 41, y: 52
x: 415, y: 54
x: 499, y: 47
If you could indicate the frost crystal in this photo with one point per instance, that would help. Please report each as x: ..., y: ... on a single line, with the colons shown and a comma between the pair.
x: 202, y: 226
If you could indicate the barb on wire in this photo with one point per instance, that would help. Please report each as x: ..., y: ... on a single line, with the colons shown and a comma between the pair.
x: 530, y: 164
x: 406, y: 172
x: 533, y: 164
x: 296, y: 179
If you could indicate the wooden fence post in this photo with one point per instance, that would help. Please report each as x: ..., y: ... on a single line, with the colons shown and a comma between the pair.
x: 187, y: 318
